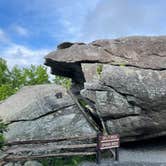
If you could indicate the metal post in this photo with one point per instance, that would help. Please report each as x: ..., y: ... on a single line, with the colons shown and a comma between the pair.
x: 98, y: 153
x: 116, y: 154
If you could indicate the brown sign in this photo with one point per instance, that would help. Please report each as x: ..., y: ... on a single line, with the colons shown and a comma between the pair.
x: 109, y: 141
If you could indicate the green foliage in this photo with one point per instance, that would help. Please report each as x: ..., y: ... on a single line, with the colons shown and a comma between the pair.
x: 35, y: 75
x: 99, y: 69
x: 64, y: 81
x: 32, y: 75
x: 4, y: 72
x: 14, y: 79
x: 72, y: 161
x: 17, y: 77
x: 3, y: 128
x: 82, y: 103
x: 122, y: 65
x: 6, y: 90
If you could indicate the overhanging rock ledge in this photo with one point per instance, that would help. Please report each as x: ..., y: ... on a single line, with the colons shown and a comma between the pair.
x: 124, y: 79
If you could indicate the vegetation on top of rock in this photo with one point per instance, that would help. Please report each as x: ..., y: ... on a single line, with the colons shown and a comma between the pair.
x: 3, y: 128
x: 99, y: 69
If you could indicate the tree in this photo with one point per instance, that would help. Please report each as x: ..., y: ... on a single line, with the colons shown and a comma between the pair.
x: 4, y: 72
x: 6, y: 90
x: 14, y: 79
x: 64, y: 81
x: 17, y: 77
x: 35, y: 75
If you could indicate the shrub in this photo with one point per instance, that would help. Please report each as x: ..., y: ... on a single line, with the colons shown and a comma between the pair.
x: 3, y: 128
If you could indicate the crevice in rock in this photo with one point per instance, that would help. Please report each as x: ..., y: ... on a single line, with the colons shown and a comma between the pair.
x: 87, y: 110
x: 71, y: 70
x: 74, y: 71
x: 144, y: 109
x: 125, y: 58
x: 139, y: 67
x: 114, y: 116
x: 95, y: 116
x: 156, y: 54
x: 41, y: 116
x: 120, y: 116
x: 141, y: 138
x: 124, y: 94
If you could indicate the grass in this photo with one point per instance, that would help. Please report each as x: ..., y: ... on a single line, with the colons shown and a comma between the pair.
x: 82, y: 103
x: 99, y: 69
x: 66, y: 161
x: 74, y: 161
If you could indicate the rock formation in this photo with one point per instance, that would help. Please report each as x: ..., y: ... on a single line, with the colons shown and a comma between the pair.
x: 36, y: 113
x: 119, y: 85
x: 123, y: 79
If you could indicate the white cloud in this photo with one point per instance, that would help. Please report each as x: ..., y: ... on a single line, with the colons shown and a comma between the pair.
x: 20, y: 30
x: 3, y: 37
x: 22, y: 55
x: 64, y: 20
x: 82, y: 21
x: 17, y: 54
x: 116, y: 18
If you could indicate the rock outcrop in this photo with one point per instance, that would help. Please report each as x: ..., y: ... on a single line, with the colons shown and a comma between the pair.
x: 124, y: 79
x: 143, y: 52
x: 36, y: 113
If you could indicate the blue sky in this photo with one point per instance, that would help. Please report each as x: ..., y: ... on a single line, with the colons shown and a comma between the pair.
x: 29, y: 29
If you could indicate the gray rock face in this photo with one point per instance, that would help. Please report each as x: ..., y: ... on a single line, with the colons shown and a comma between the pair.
x: 131, y: 100
x: 125, y: 80
x: 32, y: 102
x: 143, y: 52
x: 35, y: 113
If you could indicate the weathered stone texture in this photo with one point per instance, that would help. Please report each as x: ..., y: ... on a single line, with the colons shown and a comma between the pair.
x: 130, y: 93
x: 35, y: 113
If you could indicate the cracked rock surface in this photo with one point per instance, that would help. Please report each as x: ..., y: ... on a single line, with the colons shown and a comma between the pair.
x: 131, y: 100
x: 124, y: 79
x: 35, y: 113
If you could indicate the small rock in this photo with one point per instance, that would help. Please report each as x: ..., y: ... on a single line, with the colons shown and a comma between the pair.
x: 9, y: 164
x: 12, y: 164
x: 32, y: 163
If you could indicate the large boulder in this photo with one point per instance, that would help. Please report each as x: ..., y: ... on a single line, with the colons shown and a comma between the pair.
x: 124, y: 79
x: 132, y: 101
x: 36, y: 113
x: 143, y: 52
